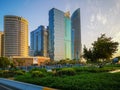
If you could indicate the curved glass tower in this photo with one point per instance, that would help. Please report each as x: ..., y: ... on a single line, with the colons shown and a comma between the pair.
x: 76, y: 34
x: 15, y: 36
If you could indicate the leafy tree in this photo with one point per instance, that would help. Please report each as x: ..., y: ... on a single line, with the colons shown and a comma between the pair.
x: 4, y: 62
x: 88, y: 54
x: 102, y: 49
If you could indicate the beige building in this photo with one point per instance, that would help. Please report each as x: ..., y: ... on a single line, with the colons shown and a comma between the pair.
x: 28, y: 61
x: 15, y: 36
x: 1, y: 44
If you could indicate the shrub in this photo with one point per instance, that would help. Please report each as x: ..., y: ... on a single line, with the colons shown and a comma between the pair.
x: 93, y: 69
x: 7, y: 74
x: 66, y: 71
x: 37, y: 74
x: 19, y: 72
x: 1, y: 73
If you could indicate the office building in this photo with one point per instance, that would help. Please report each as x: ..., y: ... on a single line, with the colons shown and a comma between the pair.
x: 39, y: 41
x: 56, y: 34
x: 76, y: 34
x: 67, y: 36
x: 64, y: 35
x: 15, y: 36
x: 28, y: 61
x: 1, y: 44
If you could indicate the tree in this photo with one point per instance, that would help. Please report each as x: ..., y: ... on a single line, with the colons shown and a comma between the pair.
x: 88, y: 54
x: 4, y: 62
x: 102, y: 49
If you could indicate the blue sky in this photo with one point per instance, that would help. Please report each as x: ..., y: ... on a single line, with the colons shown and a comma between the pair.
x: 97, y: 16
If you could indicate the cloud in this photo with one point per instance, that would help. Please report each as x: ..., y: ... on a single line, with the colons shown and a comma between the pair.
x: 101, y: 18
x: 92, y: 19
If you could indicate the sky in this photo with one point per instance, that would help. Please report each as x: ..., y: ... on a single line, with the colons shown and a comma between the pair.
x: 97, y: 16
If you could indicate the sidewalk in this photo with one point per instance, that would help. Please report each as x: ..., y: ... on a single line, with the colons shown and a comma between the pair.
x: 115, y: 71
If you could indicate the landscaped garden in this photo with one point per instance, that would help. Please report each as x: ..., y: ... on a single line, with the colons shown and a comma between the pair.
x: 95, y: 74
x: 75, y: 78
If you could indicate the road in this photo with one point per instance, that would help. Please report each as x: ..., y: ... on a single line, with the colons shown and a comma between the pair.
x: 5, y: 87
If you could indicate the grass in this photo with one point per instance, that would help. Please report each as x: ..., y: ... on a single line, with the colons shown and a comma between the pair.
x: 86, y: 78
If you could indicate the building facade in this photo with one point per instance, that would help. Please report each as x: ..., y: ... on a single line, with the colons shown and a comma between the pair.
x: 76, y: 34
x: 67, y: 37
x: 56, y: 34
x: 28, y: 61
x: 15, y: 36
x: 1, y: 44
x: 39, y: 41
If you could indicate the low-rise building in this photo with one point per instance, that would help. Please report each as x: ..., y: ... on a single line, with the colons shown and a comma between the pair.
x: 28, y: 61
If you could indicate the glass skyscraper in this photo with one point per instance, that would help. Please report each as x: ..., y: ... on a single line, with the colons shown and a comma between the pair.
x: 64, y: 35
x: 67, y: 36
x: 56, y: 34
x: 76, y: 34
x: 39, y: 41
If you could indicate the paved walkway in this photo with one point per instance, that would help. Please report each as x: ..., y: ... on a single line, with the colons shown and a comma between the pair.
x: 115, y: 71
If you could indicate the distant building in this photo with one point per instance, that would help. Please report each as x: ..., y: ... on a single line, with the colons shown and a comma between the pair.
x: 76, y: 34
x: 39, y: 42
x: 15, y: 36
x: 1, y: 44
x: 56, y: 34
x: 28, y: 61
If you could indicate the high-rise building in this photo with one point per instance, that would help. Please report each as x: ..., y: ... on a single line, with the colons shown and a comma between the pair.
x: 39, y: 41
x: 76, y: 34
x: 56, y: 34
x: 15, y: 36
x: 67, y: 36
x: 64, y: 35
x: 1, y: 44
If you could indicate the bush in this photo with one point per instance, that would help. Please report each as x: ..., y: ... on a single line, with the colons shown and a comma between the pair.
x: 1, y: 73
x: 37, y: 74
x: 7, y: 74
x: 93, y: 69
x: 66, y: 71
x: 19, y: 72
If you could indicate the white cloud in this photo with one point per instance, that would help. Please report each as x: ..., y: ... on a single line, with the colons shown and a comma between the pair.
x: 101, y: 18
x: 92, y: 19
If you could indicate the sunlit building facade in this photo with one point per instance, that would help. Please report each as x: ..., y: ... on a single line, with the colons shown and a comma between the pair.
x: 15, y: 36
x: 67, y: 37
x: 76, y: 34
x: 39, y: 41
x: 1, y: 44
x: 56, y: 34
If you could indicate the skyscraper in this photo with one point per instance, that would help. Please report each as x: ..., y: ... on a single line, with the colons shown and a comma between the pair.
x: 76, y: 34
x: 15, y: 36
x: 39, y: 41
x: 1, y: 44
x: 56, y: 34
x: 67, y: 36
